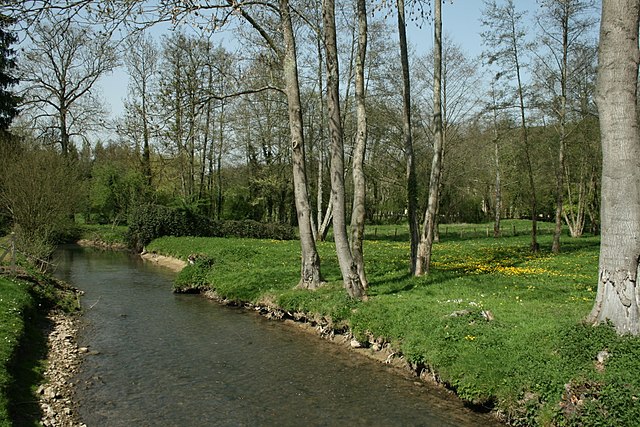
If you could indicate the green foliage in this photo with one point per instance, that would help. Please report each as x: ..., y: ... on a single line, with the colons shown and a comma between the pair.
x: 108, y: 234
x: 149, y: 222
x: 256, y: 230
x: 40, y: 191
x: 115, y: 189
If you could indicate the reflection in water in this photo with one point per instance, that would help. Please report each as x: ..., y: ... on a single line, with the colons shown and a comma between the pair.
x: 161, y: 359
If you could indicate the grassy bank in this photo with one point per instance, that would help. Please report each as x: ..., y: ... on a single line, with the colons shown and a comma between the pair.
x: 499, y: 325
x: 25, y: 300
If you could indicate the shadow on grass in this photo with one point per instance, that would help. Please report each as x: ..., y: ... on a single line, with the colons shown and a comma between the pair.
x: 27, y: 369
x: 406, y: 282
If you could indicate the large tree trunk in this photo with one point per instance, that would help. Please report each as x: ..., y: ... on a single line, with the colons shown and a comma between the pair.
x: 618, y: 297
x: 310, y: 270
x: 412, y: 183
x: 426, y: 241
x: 359, y: 185
x: 348, y: 267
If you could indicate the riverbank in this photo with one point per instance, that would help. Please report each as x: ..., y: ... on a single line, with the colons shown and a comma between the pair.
x: 38, y: 353
x: 377, y: 350
x: 499, y: 326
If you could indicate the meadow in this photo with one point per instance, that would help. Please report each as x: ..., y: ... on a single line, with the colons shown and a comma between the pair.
x: 501, y: 326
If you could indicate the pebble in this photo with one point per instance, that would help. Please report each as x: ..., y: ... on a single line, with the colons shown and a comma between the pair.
x: 56, y: 394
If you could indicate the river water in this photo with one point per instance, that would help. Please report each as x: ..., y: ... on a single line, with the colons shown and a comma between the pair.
x: 161, y: 359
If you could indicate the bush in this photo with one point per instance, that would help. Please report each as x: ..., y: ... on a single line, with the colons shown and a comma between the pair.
x: 149, y: 222
x: 257, y: 230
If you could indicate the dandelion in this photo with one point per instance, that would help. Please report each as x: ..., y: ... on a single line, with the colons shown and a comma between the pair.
x: 470, y: 337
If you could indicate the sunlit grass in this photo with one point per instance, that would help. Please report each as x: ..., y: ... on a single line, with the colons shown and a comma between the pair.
x: 536, y: 302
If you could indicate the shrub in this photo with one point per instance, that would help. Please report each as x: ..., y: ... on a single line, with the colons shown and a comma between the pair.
x: 149, y: 222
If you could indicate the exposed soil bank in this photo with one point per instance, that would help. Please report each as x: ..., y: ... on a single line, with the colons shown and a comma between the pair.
x: 174, y: 264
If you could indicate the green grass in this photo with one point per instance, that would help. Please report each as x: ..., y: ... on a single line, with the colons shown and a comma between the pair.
x: 15, y: 300
x: 108, y: 234
x: 533, y: 356
x: 24, y: 304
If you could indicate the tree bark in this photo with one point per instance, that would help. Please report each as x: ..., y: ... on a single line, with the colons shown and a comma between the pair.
x: 359, y: 184
x: 426, y: 241
x: 348, y: 267
x: 412, y: 183
x: 310, y: 269
x: 618, y: 297
x: 562, y: 118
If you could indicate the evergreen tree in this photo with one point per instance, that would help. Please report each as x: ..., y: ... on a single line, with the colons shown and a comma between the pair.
x: 8, y: 100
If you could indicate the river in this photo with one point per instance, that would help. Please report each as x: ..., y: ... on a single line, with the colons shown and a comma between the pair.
x: 161, y: 359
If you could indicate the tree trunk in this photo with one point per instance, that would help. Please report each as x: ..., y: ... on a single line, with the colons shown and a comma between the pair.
x: 321, y: 231
x: 348, y: 267
x: 535, y: 247
x: 359, y: 185
x: 426, y: 241
x: 498, y: 181
x: 618, y: 297
x: 310, y: 269
x: 562, y: 116
x: 412, y: 183
x: 146, y: 150
x: 219, y: 197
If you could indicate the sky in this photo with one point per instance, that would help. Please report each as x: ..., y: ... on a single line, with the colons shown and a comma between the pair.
x: 461, y: 24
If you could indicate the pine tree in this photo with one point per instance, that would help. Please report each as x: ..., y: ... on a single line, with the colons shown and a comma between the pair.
x: 8, y: 100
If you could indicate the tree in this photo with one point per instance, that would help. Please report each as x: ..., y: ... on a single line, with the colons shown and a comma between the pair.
x: 426, y: 239
x: 60, y: 72
x: 8, y: 100
x: 618, y: 295
x: 506, y: 39
x: 359, y: 186
x: 310, y: 272
x: 348, y: 267
x: 412, y: 183
x: 40, y: 190
x: 141, y: 59
x: 564, y: 24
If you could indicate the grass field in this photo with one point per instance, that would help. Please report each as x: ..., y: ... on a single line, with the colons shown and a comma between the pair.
x: 534, y: 361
